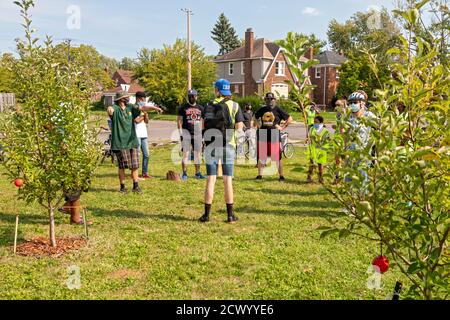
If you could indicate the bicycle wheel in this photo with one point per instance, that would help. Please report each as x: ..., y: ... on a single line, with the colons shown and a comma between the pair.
x: 289, y: 151
x: 246, y: 150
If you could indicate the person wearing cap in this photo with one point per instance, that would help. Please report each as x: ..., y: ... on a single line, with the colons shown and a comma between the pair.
x: 142, y: 131
x: 269, y: 119
x: 124, y: 142
x: 190, y: 125
x: 222, y: 117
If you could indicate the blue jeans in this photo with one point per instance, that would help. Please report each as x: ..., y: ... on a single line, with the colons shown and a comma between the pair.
x: 143, y: 145
x: 225, y: 155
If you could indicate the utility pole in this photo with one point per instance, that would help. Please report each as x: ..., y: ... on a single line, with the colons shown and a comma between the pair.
x: 189, y: 13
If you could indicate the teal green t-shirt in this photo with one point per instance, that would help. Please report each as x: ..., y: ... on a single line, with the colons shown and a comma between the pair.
x: 123, y: 127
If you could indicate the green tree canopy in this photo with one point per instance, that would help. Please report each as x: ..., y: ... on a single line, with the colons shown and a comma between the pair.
x: 225, y: 35
x: 47, y: 141
x: 373, y: 30
x: 6, y: 83
x: 163, y: 72
x: 96, y: 65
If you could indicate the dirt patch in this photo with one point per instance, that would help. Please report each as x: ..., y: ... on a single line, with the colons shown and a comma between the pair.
x: 41, y: 247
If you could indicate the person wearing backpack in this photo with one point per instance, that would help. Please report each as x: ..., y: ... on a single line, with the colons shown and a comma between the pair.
x: 222, y: 117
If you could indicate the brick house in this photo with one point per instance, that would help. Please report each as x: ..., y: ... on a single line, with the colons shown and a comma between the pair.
x: 325, y: 76
x: 256, y: 68
x: 124, y: 81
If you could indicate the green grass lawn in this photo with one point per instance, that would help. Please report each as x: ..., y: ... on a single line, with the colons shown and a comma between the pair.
x: 152, y: 247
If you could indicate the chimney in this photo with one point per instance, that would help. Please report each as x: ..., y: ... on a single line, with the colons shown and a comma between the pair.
x: 249, y: 41
x: 310, y: 54
x: 250, y: 86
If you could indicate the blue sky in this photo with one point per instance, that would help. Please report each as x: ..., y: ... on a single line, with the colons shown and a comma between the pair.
x: 121, y: 28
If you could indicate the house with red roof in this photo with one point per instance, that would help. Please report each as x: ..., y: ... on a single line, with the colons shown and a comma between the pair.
x: 257, y: 67
x: 124, y: 81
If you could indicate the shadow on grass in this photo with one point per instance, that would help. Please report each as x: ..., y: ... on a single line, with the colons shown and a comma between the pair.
x: 116, y: 213
x: 171, y: 217
x: 287, y: 192
x: 7, y: 231
x: 298, y: 213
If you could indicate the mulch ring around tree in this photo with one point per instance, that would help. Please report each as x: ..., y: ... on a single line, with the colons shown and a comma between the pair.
x: 41, y: 247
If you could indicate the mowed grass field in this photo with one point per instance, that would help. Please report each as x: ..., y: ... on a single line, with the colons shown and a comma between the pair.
x: 152, y: 247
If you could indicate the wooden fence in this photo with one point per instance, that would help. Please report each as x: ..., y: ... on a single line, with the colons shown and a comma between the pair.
x: 7, y: 100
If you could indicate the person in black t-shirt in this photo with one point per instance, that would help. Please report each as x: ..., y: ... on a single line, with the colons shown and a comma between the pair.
x: 270, y: 125
x: 190, y: 125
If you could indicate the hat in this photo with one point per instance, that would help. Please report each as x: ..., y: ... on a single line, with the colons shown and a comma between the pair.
x: 270, y: 95
x: 121, y: 95
x: 141, y: 94
x: 224, y: 87
x: 192, y: 92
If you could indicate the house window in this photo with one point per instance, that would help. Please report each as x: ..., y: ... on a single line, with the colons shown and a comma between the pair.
x: 318, y: 73
x: 236, y: 89
x: 242, y: 67
x: 231, y: 69
x: 279, y: 68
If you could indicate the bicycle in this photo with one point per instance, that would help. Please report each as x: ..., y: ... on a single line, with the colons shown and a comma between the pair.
x: 107, y: 151
x: 287, y: 148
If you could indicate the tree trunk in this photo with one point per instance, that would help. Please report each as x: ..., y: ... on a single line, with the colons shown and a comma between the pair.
x: 51, y: 214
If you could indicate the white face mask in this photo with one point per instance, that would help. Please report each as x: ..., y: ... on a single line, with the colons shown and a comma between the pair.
x: 355, y: 107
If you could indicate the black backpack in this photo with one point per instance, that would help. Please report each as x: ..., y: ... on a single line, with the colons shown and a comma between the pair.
x: 217, y: 116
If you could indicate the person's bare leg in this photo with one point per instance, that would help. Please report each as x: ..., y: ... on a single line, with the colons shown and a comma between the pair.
x: 209, y: 191
x: 280, y: 168
x: 135, y: 175
x: 228, y: 185
x: 185, y: 161
x: 209, y: 197
x: 311, y: 171
x: 75, y: 211
x: 320, y: 173
x: 229, y: 198
x: 261, y: 166
x: 122, y: 176
x: 197, y: 161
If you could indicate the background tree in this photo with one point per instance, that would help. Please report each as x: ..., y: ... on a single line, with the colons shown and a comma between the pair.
x: 373, y: 30
x: 163, y: 72
x: 6, y: 61
x: 399, y: 195
x: 127, y: 64
x: 356, y: 74
x: 92, y: 62
x: 225, y: 35
x: 46, y: 140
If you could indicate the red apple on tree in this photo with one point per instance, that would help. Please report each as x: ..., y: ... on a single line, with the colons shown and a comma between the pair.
x: 382, y: 263
x: 18, y: 183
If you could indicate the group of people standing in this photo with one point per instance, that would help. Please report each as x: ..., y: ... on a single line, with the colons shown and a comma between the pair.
x: 211, y: 130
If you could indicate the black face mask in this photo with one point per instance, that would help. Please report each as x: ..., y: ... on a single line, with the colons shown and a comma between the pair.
x: 192, y: 100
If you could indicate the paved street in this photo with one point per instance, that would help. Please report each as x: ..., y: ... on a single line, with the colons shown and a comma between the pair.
x: 166, y: 131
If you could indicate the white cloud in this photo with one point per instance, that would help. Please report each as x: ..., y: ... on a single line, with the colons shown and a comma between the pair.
x: 311, y: 11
